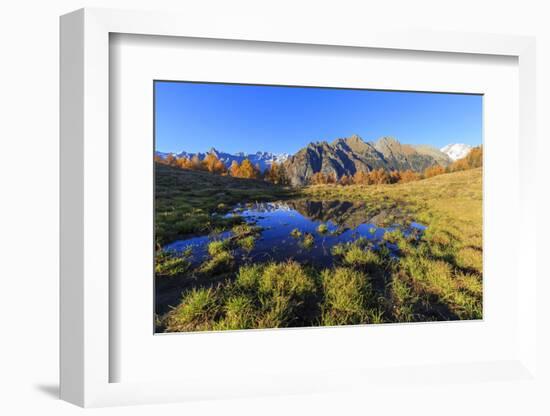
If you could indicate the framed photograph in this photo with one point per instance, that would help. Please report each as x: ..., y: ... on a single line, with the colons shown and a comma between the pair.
x: 305, y: 233
x: 281, y: 212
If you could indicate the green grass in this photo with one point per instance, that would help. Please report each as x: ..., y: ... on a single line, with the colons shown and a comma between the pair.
x: 307, y: 241
x: 217, y: 247
x: 436, y: 276
x: 440, y: 275
x: 322, y: 228
x: 195, y: 312
x: 345, y: 292
x: 170, y: 264
x: 247, y: 243
x: 190, y: 202
x: 221, y: 262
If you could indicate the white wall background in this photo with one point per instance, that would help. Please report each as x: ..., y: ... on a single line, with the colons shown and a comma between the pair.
x: 29, y: 206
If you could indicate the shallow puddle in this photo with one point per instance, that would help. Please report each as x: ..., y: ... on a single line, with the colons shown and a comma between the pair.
x: 340, y: 222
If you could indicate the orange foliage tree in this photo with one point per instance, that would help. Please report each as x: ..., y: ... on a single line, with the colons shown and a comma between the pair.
x: 318, y: 178
x: 361, y: 178
x: 331, y: 178
x: 345, y: 180
x: 171, y: 160
x: 474, y: 159
x: 248, y: 170
x: 245, y: 170
x: 379, y: 177
x: 409, y: 176
x: 213, y: 164
x: 433, y: 171
x: 234, y: 169
x: 276, y: 174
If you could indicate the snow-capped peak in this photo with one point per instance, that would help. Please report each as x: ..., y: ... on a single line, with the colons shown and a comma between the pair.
x: 262, y: 159
x: 456, y: 150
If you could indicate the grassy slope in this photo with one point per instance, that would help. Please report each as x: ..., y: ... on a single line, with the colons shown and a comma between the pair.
x: 186, y: 199
x: 449, y: 203
x: 445, y: 270
x: 436, y: 278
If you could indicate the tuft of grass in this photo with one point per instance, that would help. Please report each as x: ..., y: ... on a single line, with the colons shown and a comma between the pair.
x: 243, y: 230
x: 308, y: 241
x: 196, y: 311
x: 247, y: 243
x: 221, y: 262
x: 286, y: 279
x: 296, y: 233
x: 322, y: 228
x: 402, y: 298
x: 239, y: 314
x: 248, y: 277
x: 170, y: 264
x: 285, y: 291
x: 393, y: 236
x: 345, y: 292
x: 217, y: 247
x: 470, y: 259
x: 339, y: 249
x: 359, y: 257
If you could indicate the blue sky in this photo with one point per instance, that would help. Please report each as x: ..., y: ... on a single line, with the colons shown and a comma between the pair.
x: 233, y: 118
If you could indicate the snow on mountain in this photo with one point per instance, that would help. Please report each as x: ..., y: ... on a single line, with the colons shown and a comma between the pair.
x: 262, y: 159
x: 456, y: 150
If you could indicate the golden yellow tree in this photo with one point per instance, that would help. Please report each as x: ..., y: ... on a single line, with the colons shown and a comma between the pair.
x: 183, y: 162
x: 248, y: 170
x: 234, y: 169
x: 361, y: 178
x: 213, y: 164
x: 345, y: 180
x: 409, y: 176
x: 379, y: 176
x: 433, y: 171
x: 219, y: 167
x: 171, y: 160
x: 319, y: 178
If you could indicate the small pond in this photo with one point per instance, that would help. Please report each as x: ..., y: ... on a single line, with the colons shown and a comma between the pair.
x: 344, y: 221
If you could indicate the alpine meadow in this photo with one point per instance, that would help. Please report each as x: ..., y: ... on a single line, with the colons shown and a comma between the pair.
x: 281, y: 207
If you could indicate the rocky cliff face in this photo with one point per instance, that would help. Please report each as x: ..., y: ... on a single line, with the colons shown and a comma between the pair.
x: 347, y: 156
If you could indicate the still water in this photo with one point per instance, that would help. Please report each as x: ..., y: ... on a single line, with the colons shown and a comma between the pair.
x: 345, y: 222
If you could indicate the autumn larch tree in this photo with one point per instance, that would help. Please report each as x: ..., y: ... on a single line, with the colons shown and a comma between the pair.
x: 434, y: 171
x: 409, y: 176
x: 361, y: 178
x: 345, y: 180
x: 276, y: 174
x: 248, y: 170
x: 379, y: 176
x: 213, y: 164
x: 234, y: 169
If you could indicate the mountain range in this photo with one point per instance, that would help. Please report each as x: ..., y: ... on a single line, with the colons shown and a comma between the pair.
x: 261, y: 159
x: 346, y: 156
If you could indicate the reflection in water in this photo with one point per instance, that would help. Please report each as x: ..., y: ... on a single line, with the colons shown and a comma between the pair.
x: 345, y: 221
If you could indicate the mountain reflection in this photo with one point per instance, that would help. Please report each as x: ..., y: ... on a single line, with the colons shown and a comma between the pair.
x: 344, y: 214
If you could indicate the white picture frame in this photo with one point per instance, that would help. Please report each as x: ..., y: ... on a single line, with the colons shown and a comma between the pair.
x: 86, y: 356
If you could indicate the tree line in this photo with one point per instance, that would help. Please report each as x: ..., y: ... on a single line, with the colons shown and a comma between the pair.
x: 474, y: 159
x: 211, y: 163
x: 276, y: 172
